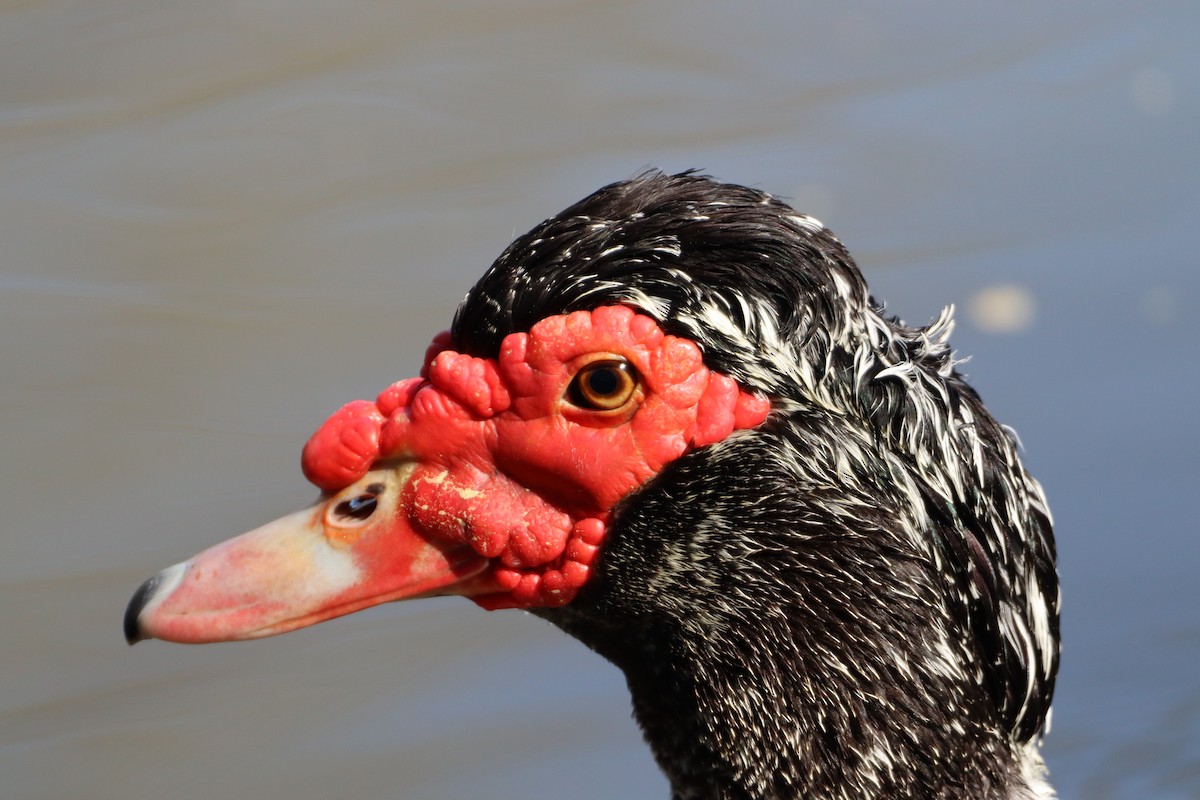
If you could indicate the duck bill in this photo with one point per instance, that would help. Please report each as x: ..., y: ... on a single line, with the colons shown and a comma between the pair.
x: 347, y: 552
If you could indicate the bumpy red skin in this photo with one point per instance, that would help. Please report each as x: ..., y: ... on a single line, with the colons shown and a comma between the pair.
x: 510, y: 467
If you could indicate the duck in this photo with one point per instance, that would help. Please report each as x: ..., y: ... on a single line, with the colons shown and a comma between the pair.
x: 673, y: 422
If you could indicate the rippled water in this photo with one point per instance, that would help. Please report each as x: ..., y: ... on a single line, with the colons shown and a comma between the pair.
x: 220, y: 220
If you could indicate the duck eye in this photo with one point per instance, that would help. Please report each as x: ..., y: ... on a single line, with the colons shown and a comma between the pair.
x: 356, y: 508
x: 603, y: 385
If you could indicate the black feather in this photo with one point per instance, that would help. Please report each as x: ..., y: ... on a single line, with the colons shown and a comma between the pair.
x: 858, y: 598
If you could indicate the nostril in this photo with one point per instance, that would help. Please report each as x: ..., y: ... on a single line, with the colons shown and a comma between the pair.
x: 357, y: 508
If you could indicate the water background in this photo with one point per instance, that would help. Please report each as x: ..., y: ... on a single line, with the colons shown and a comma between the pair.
x: 221, y: 220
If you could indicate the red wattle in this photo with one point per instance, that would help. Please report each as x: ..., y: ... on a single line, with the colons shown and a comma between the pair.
x: 343, y: 449
x: 506, y: 465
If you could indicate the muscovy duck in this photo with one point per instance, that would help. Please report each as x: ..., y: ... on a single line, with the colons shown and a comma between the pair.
x: 672, y: 422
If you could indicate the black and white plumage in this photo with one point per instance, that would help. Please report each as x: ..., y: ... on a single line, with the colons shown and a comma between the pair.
x: 856, y: 599
x: 671, y: 421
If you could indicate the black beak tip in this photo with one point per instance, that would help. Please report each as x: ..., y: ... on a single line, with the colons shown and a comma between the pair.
x: 133, y: 628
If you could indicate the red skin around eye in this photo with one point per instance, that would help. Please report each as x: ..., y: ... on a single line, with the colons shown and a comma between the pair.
x: 508, y: 466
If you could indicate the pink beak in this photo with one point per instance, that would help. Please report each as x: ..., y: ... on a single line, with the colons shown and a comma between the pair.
x: 350, y: 550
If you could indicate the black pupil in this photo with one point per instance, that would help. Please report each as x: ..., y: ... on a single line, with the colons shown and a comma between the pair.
x: 359, y: 507
x: 604, y: 381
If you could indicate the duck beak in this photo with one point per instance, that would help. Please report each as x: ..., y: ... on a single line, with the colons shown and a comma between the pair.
x: 349, y: 551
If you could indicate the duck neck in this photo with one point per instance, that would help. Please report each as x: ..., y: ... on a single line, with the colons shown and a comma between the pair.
x: 742, y: 714
x: 784, y: 654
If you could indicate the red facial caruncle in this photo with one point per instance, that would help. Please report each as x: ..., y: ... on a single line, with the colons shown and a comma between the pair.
x: 492, y: 478
x: 513, y: 462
